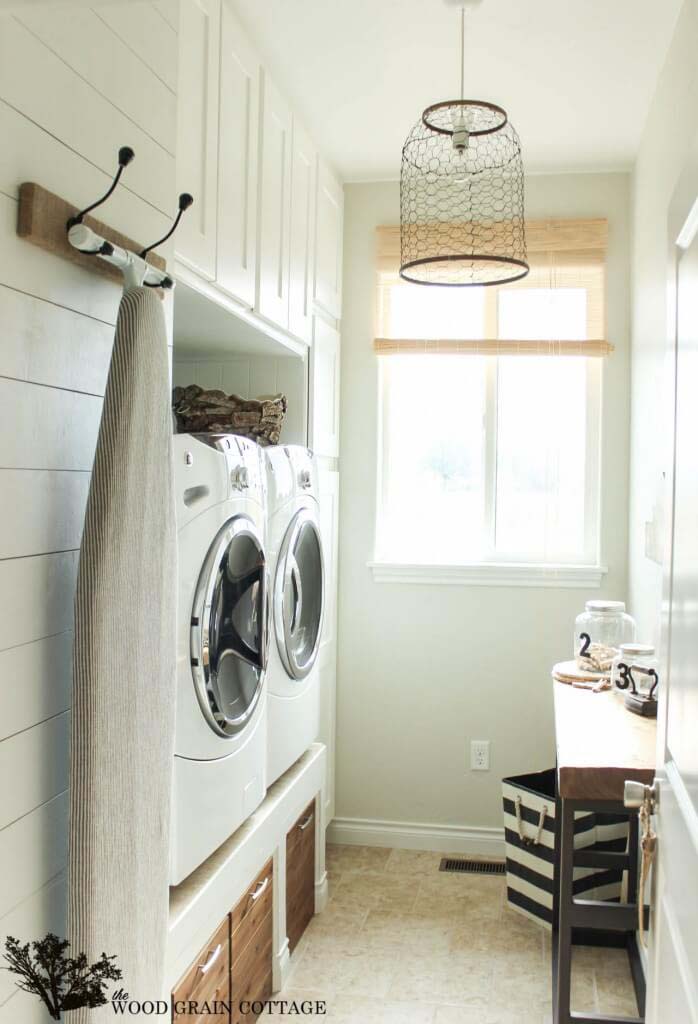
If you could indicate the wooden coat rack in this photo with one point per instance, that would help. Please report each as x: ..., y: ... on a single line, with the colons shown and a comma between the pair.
x: 48, y: 221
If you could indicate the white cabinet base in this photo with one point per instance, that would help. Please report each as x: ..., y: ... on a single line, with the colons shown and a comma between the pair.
x: 322, y: 894
x: 196, y: 904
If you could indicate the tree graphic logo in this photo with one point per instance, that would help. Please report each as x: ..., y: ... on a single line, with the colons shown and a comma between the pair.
x: 62, y: 982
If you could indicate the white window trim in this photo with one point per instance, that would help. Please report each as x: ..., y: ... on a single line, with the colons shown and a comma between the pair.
x: 491, y: 574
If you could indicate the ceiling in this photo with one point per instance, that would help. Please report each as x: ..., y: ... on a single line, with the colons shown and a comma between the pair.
x: 576, y: 76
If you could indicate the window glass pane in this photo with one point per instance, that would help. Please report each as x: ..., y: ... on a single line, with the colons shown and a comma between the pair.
x: 433, y: 459
x: 542, y: 314
x: 541, y: 455
x: 416, y: 312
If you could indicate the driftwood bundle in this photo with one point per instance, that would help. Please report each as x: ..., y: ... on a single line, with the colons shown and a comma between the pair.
x: 213, y: 412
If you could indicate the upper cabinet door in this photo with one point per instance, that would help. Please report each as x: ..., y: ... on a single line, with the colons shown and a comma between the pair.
x: 328, y: 253
x: 274, y: 206
x: 197, y: 132
x: 237, y: 162
x: 302, y: 255
x: 324, y: 390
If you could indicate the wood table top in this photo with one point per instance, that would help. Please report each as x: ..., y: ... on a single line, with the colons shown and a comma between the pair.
x: 600, y: 744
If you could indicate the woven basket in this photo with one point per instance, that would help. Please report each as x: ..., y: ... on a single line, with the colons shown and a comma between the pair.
x: 213, y: 412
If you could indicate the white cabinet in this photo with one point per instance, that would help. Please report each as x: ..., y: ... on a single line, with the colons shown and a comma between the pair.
x: 329, y: 531
x: 302, y: 239
x: 324, y: 390
x: 197, y: 132
x: 237, y: 162
x: 327, y: 655
x: 264, y: 237
x: 274, y: 206
x: 328, y: 242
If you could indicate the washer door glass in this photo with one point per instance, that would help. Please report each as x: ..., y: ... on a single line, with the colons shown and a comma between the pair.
x: 299, y: 596
x: 229, y: 627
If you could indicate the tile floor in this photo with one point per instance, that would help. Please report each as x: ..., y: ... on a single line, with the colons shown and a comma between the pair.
x: 402, y: 943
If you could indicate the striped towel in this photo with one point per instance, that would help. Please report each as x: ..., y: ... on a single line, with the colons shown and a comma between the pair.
x: 124, y: 668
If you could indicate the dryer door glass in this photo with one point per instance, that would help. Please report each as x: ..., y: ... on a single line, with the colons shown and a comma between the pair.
x: 229, y: 627
x: 300, y: 596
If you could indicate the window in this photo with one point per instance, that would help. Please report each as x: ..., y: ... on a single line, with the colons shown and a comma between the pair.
x: 490, y: 414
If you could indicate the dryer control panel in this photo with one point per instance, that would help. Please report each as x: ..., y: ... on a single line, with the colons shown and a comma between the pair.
x: 305, y: 476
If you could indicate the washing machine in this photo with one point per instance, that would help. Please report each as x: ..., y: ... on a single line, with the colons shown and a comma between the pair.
x: 297, y: 605
x: 219, y: 775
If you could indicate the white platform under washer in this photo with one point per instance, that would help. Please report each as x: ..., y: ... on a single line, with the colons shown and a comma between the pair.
x: 219, y: 774
x: 298, y: 585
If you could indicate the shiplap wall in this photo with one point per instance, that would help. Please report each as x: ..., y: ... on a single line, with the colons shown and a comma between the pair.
x: 75, y: 84
x: 251, y: 376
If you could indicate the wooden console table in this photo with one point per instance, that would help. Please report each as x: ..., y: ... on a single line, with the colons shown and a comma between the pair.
x: 599, y: 746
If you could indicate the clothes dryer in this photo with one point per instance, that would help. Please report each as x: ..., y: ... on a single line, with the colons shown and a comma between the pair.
x: 298, y: 585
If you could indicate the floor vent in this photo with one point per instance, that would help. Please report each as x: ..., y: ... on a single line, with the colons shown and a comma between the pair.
x: 473, y: 867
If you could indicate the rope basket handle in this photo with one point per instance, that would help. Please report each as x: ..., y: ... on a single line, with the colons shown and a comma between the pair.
x: 530, y: 840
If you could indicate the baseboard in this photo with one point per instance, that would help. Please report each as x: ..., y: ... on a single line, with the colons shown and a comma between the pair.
x: 409, y: 835
x: 322, y: 894
x: 281, y: 967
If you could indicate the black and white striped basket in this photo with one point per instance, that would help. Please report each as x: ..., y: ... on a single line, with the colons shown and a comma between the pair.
x: 529, y: 828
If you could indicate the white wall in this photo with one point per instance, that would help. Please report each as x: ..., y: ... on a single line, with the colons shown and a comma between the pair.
x: 73, y: 88
x: 669, y: 132
x: 425, y: 669
x: 250, y: 377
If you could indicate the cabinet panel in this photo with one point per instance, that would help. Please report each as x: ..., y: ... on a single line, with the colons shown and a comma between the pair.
x: 328, y: 246
x: 251, y: 974
x: 197, y: 132
x: 254, y: 906
x: 300, y: 876
x: 237, y: 162
x: 327, y: 655
x: 328, y: 717
x: 329, y: 530
x: 302, y: 836
x: 274, y: 206
x: 302, y: 245
x: 324, y: 390
x: 207, y: 980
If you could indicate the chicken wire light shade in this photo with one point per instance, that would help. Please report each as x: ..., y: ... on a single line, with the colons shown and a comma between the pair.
x: 462, y: 197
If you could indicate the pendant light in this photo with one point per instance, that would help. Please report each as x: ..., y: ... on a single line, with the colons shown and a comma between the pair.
x: 462, y: 193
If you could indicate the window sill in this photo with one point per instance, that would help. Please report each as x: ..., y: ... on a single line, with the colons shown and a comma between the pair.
x: 491, y: 574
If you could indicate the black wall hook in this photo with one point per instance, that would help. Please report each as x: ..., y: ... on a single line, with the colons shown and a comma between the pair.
x: 185, y: 201
x: 126, y: 155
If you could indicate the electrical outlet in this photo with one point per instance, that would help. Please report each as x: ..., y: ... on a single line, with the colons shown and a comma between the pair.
x: 480, y: 755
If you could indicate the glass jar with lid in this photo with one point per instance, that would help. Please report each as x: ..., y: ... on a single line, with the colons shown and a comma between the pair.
x: 635, y: 669
x: 603, y: 622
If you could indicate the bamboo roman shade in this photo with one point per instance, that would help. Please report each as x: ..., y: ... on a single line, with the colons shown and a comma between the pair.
x: 563, y: 254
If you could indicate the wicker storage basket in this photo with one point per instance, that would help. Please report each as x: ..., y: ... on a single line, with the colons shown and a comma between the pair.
x: 199, y: 411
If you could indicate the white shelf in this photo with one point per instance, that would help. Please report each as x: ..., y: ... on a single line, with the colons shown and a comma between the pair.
x: 208, y: 323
